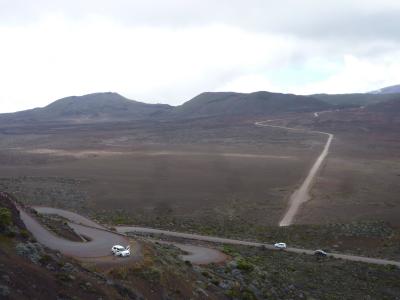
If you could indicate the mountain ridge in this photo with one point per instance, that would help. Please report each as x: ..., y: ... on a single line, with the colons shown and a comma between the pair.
x: 246, y: 104
x: 95, y: 107
x: 112, y: 107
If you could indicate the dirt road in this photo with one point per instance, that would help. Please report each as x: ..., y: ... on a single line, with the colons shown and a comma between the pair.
x: 99, y: 246
x: 197, y: 237
x: 101, y: 239
x: 302, y: 194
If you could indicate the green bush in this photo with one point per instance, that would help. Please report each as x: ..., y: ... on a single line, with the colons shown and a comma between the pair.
x: 5, y: 217
x: 228, y: 249
x: 206, y: 274
x: 24, y: 233
x: 244, y: 265
x: 248, y: 295
x: 232, y: 293
x: 45, y: 259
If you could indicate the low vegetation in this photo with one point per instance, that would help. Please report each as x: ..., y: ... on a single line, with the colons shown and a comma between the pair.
x: 30, y: 271
x: 369, y: 238
x: 165, y: 275
x: 59, y: 226
x: 254, y: 273
x: 5, y: 217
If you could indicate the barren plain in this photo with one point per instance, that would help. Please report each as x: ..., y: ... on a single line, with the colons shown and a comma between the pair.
x: 155, y: 174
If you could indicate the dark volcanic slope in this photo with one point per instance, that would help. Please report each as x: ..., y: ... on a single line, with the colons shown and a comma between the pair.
x: 390, y: 107
x: 112, y: 107
x: 240, y: 104
x: 394, y: 89
x: 90, y: 108
x: 354, y: 100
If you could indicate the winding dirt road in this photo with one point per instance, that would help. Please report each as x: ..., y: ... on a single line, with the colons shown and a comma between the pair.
x: 302, y: 194
x: 101, y: 239
x: 99, y: 245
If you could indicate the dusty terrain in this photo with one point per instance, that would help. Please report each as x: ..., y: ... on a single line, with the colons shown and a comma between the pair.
x: 208, y: 171
x: 361, y: 177
x: 251, y: 273
x: 160, y: 173
x: 195, y: 174
x: 29, y: 270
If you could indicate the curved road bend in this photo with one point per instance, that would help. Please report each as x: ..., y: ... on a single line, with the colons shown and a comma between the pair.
x: 197, y: 237
x: 99, y: 245
x: 302, y: 194
x: 101, y: 239
x: 69, y: 215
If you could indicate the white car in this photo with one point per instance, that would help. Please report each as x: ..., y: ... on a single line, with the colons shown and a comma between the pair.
x: 119, y: 250
x: 280, y: 245
x: 320, y: 252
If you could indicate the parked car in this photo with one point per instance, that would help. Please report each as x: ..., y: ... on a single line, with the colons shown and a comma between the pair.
x: 117, y: 248
x: 125, y: 252
x: 280, y: 245
x: 320, y: 252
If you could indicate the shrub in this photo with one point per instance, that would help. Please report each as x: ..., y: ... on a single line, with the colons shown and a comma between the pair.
x: 206, y: 274
x: 248, y: 295
x: 5, y: 217
x: 152, y: 274
x: 188, y: 263
x: 227, y: 249
x: 244, y: 265
x: 63, y: 277
x: 24, y: 233
x: 232, y: 293
x: 120, y: 273
x: 45, y: 259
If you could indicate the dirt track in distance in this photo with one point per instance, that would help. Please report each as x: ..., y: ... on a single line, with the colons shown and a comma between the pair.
x: 302, y: 194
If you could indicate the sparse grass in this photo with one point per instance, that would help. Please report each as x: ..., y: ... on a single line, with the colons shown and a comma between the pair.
x: 152, y: 274
x: 279, y: 275
x: 120, y: 272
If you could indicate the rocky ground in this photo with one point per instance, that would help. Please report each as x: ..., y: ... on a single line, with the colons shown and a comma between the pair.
x: 254, y: 273
x: 28, y: 270
x: 46, y: 190
x: 60, y: 227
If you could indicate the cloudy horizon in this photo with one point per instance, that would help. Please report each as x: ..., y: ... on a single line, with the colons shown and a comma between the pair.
x: 169, y: 51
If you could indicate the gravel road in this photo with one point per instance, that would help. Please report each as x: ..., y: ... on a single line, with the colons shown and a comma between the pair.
x: 302, y: 194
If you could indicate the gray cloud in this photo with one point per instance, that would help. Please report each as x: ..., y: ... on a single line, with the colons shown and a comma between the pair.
x: 361, y: 19
x: 171, y: 50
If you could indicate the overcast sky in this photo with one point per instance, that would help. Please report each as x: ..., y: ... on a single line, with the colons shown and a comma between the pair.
x: 171, y: 50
